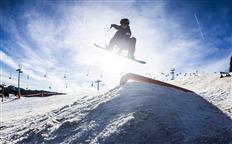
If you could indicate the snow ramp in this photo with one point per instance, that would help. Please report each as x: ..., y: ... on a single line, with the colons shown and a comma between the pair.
x: 135, y: 113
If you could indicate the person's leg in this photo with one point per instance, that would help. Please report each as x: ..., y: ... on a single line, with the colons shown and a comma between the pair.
x: 114, y: 40
x: 123, y: 44
x: 131, y: 47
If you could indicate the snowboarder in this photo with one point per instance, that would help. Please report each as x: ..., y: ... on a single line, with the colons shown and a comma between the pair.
x: 122, y: 38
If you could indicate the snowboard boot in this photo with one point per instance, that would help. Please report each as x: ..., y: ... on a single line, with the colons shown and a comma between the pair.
x: 109, y: 47
x: 119, y: 52
x: 130, y: 56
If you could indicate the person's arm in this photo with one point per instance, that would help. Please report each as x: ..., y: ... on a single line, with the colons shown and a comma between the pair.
x: 128, y: 32
x: 117, y: 27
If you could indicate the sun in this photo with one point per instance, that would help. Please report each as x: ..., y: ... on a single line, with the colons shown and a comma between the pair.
x: 112, y: 64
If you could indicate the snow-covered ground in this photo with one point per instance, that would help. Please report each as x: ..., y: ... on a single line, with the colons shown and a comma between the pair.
x: 12, y: 110
x: 134, y: 113
x: 214, y: 89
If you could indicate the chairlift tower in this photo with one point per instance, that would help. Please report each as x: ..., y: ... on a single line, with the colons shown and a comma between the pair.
x: 98, y: 83
x: 173, y: 73
x: 19, y: 72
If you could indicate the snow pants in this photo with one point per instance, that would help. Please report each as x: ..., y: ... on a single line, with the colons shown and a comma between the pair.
x: 123, y: 43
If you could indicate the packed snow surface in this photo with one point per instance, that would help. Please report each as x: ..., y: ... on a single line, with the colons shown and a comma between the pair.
x: 134, y: 113
x: 214, y: 89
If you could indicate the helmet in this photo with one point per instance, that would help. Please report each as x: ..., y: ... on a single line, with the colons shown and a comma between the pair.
x: 124, y: 21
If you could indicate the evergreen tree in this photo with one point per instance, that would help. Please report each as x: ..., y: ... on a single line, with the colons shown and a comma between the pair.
x: 230, y: 64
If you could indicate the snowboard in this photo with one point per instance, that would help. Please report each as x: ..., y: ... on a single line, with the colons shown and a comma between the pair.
x: 136, y: 60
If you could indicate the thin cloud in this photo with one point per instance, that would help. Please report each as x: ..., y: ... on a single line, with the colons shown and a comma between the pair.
x: 8, y: 60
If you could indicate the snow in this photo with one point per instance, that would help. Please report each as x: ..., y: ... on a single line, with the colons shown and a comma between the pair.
x: 134, y: 113
x: 214, y: 89
x: 17, y: 109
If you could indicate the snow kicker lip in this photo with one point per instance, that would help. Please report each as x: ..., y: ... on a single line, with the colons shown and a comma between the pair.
x: 139, y: 78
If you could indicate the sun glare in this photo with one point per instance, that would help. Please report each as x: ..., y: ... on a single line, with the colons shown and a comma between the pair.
x: 111, y: 64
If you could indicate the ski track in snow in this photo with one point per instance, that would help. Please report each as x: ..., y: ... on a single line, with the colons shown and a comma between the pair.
x: 135, y: 113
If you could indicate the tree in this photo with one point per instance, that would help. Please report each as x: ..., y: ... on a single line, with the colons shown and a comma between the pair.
x: 230, y: 64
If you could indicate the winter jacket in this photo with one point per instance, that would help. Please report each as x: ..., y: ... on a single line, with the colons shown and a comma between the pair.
x: 125, y: 32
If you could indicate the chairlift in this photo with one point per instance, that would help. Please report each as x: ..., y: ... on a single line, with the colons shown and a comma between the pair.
x: 45, y: 75
x: 65, y: 74
x: 87, y: 74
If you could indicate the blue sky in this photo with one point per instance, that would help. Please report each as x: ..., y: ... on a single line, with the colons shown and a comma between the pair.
x: 55, y: 37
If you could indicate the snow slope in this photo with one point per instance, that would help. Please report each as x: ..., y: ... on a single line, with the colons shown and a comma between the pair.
x: 12, y: 110
x: 134, y: 113
x: 214, y: 89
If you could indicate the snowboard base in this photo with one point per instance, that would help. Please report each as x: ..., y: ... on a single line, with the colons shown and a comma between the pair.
x: 136, y: 60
